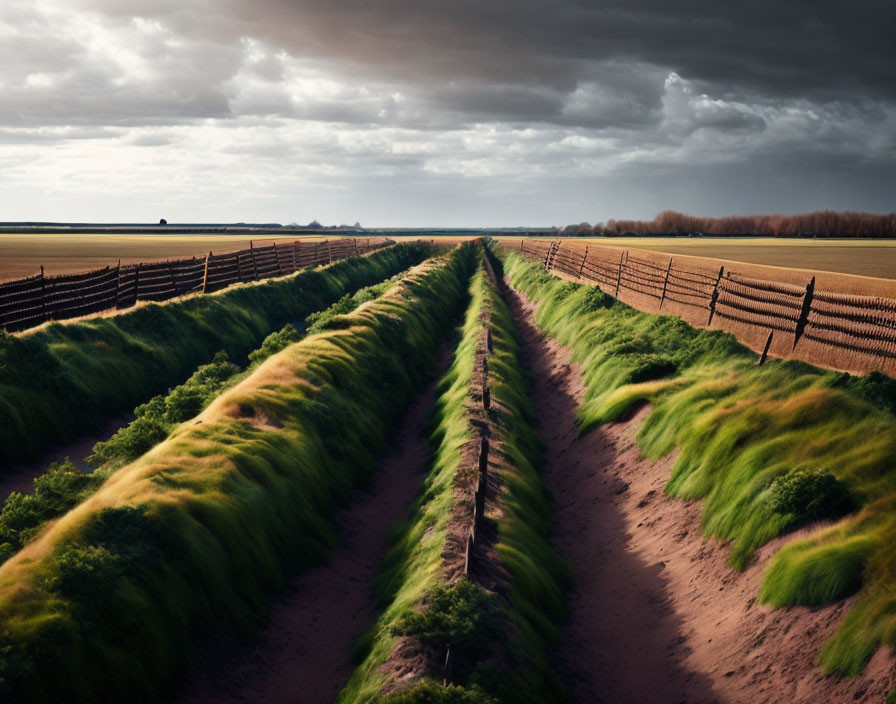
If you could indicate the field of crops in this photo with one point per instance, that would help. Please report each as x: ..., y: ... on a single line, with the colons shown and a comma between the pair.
x: 462, y: 473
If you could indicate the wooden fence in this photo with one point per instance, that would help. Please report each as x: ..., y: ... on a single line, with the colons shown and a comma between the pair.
x: 838, y: 330
x: 31, y: 301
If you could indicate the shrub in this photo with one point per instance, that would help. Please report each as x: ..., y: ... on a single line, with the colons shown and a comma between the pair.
x: 430, y: 692
x: 55, y: 492
x: 275, y: 342
x: 809, y: 495
x: 461, y: 615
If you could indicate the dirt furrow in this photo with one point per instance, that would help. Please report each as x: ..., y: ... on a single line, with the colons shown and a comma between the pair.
x: 656, y: 613
x: 623, y: 641
x: 304, y: 654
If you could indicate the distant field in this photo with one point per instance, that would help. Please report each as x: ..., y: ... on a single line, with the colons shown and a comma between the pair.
x: 875, y: 258
x: 23, y: 255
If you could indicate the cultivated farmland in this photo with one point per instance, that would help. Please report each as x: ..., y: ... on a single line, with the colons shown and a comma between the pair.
x: 475, y: 472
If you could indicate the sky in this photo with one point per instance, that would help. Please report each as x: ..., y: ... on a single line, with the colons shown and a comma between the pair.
x: 460, y: 113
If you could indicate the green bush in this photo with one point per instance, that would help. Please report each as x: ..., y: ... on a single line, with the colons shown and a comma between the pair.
x: 429, y: 691
x: 55, y: 492
x: 275, y: 342
x: 809, y: 495
x: 461, y: 615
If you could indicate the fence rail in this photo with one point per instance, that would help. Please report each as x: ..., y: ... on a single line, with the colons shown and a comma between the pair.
x: 838, y: 330
x: 31, y: 301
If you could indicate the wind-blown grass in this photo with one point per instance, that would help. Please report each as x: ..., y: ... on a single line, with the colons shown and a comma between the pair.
x: 413, y: 572
x: 744, y: 432
x: 70, y: 377
x: 104, y: 604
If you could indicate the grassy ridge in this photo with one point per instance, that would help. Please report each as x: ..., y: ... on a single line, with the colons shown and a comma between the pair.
x: 520, y: 625
x: 67, y: 378
x: 194, y: 534
x: 768, y: 449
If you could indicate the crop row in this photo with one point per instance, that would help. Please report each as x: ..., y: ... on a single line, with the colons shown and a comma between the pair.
x: 104, y: 603
x: 70, y: 377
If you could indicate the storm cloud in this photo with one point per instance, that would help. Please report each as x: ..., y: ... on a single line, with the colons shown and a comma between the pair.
x: 446, y: 113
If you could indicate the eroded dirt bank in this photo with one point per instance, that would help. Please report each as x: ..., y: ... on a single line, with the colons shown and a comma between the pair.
x: 305, y: 652
x: 656, y: 615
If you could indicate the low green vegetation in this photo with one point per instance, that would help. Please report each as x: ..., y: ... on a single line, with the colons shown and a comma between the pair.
x: 766, y: 449
x: 499, y: 643
x: 194, y: 534
x: 70, y: 377
x: 65, y: 485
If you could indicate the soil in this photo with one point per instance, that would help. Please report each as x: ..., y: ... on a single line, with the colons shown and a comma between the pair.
x: 21, y: 477
x: 656, y: 614
x: 304, y: 654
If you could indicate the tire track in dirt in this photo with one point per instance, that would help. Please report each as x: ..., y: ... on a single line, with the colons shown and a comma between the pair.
x: 304, y: 654
x: 623, y: 642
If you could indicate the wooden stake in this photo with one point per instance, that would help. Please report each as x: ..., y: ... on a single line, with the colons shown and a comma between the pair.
x: 205, y: 273
x: 666, y: 282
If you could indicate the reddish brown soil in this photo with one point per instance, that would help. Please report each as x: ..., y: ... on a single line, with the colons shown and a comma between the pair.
x: 656, y: 614
x: 305, y: 652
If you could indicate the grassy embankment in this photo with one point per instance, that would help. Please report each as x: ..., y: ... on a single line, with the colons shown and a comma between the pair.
x: 64, y: 485
x: 498, y: 642
x: 70, y: 377
x: 768, y: 449
x: 104, y: 604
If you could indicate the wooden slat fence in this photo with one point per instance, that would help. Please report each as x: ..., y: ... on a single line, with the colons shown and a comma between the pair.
x: 31, y: 301
x: 842, y: 331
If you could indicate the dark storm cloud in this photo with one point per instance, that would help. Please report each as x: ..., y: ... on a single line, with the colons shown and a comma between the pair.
x: 521, y: 107
x: 819, y: 50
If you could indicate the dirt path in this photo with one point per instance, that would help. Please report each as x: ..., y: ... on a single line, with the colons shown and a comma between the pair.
x: 656, y: 614
x: 623, y: 641
x: 20, y: 477
x: 305, y: 653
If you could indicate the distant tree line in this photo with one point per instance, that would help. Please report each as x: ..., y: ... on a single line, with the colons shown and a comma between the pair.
x: 823, y: 223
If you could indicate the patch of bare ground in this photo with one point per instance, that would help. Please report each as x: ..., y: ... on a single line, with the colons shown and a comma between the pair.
x: 656, y: 614
x: 304, y: 654
x: 21, y: 477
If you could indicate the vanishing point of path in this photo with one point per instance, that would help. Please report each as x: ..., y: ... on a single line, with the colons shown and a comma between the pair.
x: 304, y: 654
x: 623, y: 642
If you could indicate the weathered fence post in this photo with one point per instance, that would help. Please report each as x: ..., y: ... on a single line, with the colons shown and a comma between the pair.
x: 804, y: 312
x: 205, y: 272
x: 137, y: 282
x: 521, y: 245
x: 118, y: 283
x: 714, y: 297
x: 584, y: 259
x: 547, y: 256
x: 277, y: 259
x: 488, y: 340
x: 768, y: 344
x: 483, y: 457
x: 173, y: 279
x: 239, y: 265
x: 622, y: 258
x: 254, y: 263
x: 43, y: 294
x: 486, y: 398
x: 666, y: 282
x: 468, y: 553
x: 329, y: 251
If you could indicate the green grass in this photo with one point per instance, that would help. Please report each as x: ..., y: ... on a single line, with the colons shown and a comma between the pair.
x: 70, y: 377
x: 743, y: 432
x: 63, y: 486
x: 104, y: 604
x: 412, y: 585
